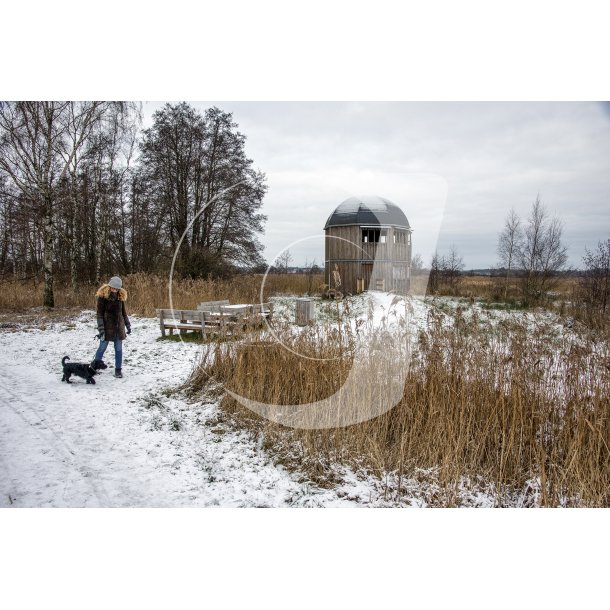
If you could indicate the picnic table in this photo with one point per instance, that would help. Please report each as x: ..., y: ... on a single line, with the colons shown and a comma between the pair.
x: 246, y: 312
x: 214, y: 316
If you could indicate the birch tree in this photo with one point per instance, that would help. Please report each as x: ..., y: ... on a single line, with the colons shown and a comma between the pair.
x: 39, y: 142
x: 542, y: 253
x: 509, y: 245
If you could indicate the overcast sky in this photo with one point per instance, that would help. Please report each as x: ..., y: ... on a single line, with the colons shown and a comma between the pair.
x: 454, y: 168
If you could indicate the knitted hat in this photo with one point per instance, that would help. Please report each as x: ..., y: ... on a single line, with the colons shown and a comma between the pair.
x: 115, y: 282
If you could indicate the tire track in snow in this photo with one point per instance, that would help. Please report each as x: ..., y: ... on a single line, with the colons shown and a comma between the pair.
x: 54, y: 441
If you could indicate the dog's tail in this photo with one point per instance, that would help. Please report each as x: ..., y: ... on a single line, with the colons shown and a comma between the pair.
x: 63, y: 360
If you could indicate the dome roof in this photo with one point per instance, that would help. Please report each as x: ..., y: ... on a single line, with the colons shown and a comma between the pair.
x: 368, y: 211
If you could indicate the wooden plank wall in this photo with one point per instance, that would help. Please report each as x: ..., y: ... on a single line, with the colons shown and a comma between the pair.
x: 346, y: 253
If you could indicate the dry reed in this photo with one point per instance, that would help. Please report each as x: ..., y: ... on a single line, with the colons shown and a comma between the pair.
x: 150, y: 292
x: 514, y: 404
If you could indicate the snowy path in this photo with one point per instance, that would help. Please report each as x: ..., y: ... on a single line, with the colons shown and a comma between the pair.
x: 127, y: 442
x: 122, y: 442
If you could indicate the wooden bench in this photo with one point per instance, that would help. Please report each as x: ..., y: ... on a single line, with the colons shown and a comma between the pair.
x: 246, y: 310
x: 226, y: 319
x: 241, y: 315
x: 181, y: 319
x: 211, y: 305
x: 193, y: 320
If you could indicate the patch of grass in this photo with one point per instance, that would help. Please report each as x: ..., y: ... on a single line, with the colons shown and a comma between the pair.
x: 509, y: 305
x: 191, y: 337
x: 196, y: 337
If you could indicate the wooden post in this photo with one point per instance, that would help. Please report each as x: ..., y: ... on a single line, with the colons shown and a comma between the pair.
x: 305, y: 312
x: 223, y: 323
x: 161, y: 313
x: 202, y: 320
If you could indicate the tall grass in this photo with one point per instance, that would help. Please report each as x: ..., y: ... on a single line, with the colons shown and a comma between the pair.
x: 514, y: 404
x: 149, y: 292
x: 494, y: 288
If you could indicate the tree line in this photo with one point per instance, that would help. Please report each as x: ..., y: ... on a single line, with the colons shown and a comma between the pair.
x: 86, y: 192
x: 531, y: 260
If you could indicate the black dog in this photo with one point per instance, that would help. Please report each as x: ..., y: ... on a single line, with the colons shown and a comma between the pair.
x: 86, y: 371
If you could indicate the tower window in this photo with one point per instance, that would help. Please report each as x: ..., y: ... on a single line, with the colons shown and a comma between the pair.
x: 370, y: 236
x: 374, y: 236
x: 400, y: 237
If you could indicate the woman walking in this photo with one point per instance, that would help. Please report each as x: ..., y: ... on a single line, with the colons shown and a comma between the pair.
x: 112, y: 323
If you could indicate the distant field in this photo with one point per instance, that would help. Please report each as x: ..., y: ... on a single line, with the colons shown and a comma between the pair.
x: 484, y: 286
x: 150, y: 292
x: 492, y: 288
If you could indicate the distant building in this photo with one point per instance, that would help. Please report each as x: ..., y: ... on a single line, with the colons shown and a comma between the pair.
x: 362, y: 230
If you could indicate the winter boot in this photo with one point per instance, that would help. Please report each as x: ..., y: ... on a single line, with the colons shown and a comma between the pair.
x: 98, y: 365
x: 118, y: 373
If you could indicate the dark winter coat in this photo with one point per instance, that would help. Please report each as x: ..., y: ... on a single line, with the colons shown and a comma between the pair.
x: 111, y: 313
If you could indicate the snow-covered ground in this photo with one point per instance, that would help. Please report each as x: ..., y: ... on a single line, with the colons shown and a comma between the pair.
x: 137, y: 442
x: 130, y: 442
x: 121, y: 442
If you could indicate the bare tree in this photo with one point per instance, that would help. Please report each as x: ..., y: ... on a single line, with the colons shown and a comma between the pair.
x: 595, y: 283
x: 417, y: 265
x: 542, y: 253
x: 106, y: 155
x: 451, y: 267
x: 311, y: 269
x: 205, y: 186
x: 72, y: 203
x: 445, y: 271
x: 283, y: 261
x: 12, y: 230
x: 509, y: 245
x: 38, y: 143
x: 435, y: 273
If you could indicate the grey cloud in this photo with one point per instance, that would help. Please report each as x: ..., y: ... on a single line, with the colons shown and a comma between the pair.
x: 491, y: 157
